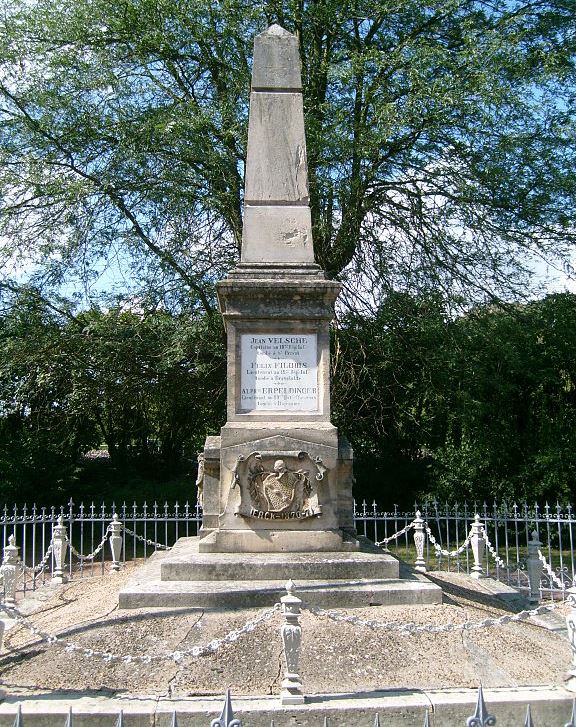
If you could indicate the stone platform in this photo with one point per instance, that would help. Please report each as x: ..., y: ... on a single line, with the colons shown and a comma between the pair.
x: 186, y: 577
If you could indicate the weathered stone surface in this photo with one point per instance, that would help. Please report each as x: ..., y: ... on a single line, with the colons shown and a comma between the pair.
x: 277, y: 234
x: 276, y: 169
x: 276, y: 60
x: 195, y: 566
x: 252, y: 585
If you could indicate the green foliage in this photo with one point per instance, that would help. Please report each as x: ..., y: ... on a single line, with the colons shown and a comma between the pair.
x: 509, y: 415
x: 477, y: 407
x: 148, y: 386
x: 440, y: 139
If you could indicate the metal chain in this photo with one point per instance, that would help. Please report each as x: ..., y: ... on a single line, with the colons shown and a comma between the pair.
x: 94, y: 553
x: 449, y: 553
x: 159, y: 546
x: 519, y: 565
x: 176, y: 656
x: 548, y: 568
x: 385, y: 541
x: 411, y: 628
x: 37, y: 569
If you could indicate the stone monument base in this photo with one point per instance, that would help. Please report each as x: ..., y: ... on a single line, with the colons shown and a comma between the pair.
x: 185, y: 577
x: 276, y: 541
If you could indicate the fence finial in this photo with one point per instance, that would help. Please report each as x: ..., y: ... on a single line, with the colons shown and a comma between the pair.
x: 572, y: 722
x: 481, y: 717
x: 226, y: 718
x: 18, y: 721
x: 528, y: 721
x: 426, y: 719
x: 69, y: 719
x: 291, y: 633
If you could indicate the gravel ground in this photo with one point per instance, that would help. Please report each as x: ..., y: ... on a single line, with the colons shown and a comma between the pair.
x: 336, y: 657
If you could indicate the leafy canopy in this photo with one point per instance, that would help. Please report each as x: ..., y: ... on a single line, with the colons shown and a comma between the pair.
x: 440, y: 140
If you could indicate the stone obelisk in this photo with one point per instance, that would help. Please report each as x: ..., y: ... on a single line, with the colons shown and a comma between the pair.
x: 278, y: 478
x: 276, y: 485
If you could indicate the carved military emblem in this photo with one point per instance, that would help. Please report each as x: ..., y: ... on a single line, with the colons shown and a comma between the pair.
x: 278, y: 489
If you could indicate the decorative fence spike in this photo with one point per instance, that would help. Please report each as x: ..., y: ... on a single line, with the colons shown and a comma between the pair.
x: 534, y: 566
x: 10, y: 569
x: 528, y: 721
x: 419, y: 539
x: 18, y: 721
x: 174, y: 719
x: 59, y: 548
x: 69, y: 719
x: 226, y: 718
x: 291, y: 633
x: 572, y: 722
x: 477, y: 543
x: 120, y: 720
x: 481, y: 718
x: 115, y: 528
x: 427, y: 719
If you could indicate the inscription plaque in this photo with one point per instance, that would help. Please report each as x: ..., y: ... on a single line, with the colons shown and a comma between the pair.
x: 279, y: 372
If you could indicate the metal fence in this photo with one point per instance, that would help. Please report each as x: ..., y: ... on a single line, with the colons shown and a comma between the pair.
x: 147, y: 528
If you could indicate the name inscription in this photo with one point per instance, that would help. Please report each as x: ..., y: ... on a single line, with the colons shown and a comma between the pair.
x: 279, y: 373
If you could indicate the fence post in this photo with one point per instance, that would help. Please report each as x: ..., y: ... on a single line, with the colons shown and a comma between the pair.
x: 534, y: 566
x: 291, y: 633
x: 59, y: 549
x: 10, y: 568
x: 570, y: 681
x: 419, y: 539
x: 477, y: 542
x: 115, y: 542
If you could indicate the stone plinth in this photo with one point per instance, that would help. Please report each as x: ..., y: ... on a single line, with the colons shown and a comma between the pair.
x: 188, y: 578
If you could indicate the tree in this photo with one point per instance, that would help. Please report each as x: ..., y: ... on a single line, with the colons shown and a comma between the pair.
x: 511, y: 403
x: 149, y: 386
x: 440, y: 140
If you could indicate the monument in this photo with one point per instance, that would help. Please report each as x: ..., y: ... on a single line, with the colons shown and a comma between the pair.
x: 279, y: 477
x: 276, y: 484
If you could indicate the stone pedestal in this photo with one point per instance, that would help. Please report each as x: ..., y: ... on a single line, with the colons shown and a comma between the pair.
x: 279, y: 477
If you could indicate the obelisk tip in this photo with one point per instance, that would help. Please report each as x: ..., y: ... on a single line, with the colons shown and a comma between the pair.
x: 276, y: 29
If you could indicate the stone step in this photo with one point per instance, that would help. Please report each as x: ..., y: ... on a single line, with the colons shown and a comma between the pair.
x: 193, y: 566
x: 242, y: 584
x: 261, y: 593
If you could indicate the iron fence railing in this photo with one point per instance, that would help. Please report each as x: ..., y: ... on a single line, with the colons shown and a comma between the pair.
x: 148, y: 527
